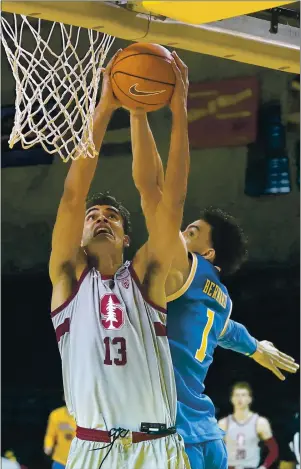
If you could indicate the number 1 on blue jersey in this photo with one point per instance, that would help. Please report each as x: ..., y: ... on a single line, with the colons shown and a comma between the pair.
x: 201, y: 352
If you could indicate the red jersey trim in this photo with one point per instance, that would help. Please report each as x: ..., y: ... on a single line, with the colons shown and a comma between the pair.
x: 62, y: 329
x: 76, y: 288
x: 142, y: 291
x: 160, y: 329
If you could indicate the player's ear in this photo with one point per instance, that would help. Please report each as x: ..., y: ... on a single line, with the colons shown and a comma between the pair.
x: 126, y: 241
x: 209, y: 254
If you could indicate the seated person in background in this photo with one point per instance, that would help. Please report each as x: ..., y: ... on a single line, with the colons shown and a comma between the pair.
x: 59, y: 434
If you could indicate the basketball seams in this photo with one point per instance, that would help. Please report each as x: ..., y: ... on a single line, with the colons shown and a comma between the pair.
x: 143, y: 78
x: 152, y: 68
x: 133, y: 99
x: 166, y: 59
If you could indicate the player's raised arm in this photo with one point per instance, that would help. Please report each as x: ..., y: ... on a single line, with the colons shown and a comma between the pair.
x: 67, y: 233
x: 165, y: 226
x: 148, y: 173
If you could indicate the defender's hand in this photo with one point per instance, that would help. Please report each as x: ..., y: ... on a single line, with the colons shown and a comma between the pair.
x: 178, y: 101
x: 268, y: 356
x: 107, y: 100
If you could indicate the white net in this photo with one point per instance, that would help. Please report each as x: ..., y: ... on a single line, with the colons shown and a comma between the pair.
x: 57, y: 69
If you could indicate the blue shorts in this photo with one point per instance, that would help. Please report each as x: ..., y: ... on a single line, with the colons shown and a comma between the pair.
x: 209, y: 455
x: 57, y: 465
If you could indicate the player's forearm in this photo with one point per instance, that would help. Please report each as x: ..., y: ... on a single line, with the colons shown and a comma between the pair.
x: 176, y: 178
x: 273, y: 452
x: 48, y: 450
x: 148, y: 171
x: 81, y: 172
x: 49, y: 441
x: 238, y: 339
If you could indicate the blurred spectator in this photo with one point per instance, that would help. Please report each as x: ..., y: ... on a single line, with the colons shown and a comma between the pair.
x: 59, y: 434
x: 244, y: 431
x: 8, y: 464
x: 9, y: 456
x: 290, y: 445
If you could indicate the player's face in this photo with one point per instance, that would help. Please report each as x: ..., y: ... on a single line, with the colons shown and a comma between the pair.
x: 104, y: 226
x: 241, y: 399
x: 198, y: 239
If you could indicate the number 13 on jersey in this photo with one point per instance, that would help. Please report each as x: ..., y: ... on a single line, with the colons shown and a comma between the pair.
x: 201, y: 352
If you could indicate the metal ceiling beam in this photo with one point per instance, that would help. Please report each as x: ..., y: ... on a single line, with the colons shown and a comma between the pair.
x: 239, y: 39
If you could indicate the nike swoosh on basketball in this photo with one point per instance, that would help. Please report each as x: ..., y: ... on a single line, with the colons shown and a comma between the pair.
x: 133, y: 90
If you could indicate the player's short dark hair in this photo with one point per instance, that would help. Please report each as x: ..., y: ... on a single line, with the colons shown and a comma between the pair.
x: 106, y: 198
x: 242, y: 385
x: 228, y: 240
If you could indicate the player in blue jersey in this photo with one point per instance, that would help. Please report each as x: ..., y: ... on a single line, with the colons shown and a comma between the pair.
x: 199, y: 305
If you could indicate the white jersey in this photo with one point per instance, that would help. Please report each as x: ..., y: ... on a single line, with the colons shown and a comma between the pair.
x: 117, y: 367
x: 242, y: 443
x: 7, y: 464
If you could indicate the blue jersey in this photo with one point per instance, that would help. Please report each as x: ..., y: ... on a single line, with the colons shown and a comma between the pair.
x: 197, y: 316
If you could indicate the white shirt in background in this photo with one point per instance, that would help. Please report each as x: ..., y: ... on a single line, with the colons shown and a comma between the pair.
x: 7, y: 464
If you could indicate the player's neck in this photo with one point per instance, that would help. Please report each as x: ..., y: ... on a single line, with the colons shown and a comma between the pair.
x: 241, y: 415
x: 106, y: 263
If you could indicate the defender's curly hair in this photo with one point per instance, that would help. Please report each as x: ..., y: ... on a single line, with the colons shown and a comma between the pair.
x: 228, y: 240
x: 107, y: 199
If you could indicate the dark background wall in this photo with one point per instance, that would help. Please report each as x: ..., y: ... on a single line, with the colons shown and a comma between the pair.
x: 265, y: 293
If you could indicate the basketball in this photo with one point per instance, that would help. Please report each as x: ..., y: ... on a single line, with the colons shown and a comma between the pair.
x: 142, y: 76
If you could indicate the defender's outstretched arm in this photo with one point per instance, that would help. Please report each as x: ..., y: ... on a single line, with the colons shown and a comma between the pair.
x: 237, y: 338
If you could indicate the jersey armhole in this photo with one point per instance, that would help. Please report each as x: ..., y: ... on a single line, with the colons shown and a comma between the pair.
x: 227, y: 322
x: 142, y: 291
x: 188, y: 282
x: 73, y: 294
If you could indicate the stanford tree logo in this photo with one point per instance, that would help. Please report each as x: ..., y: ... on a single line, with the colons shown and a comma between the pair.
x: 111, y: 312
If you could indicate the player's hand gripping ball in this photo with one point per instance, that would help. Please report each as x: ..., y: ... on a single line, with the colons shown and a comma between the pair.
x: 142, y: 77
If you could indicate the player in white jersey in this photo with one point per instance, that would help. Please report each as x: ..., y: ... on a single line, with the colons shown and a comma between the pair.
x: 244, y: 431
x: 109, y: 316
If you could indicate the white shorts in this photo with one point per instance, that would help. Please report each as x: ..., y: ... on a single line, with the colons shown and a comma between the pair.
x: 162, y: 453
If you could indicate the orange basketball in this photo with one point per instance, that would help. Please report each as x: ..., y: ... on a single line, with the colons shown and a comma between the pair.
x: 142, y: 76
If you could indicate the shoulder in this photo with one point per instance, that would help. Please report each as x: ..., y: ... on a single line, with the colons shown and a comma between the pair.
x: 180, y: 280
x: 263, y: 428
x: 223, y: 423
x: 66, y: 288
x: 262, y: 421
x: 56, y: 413
x: 179, y: 268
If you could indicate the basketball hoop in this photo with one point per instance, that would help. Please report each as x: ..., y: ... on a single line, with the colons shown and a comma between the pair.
x: 57, y: 83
